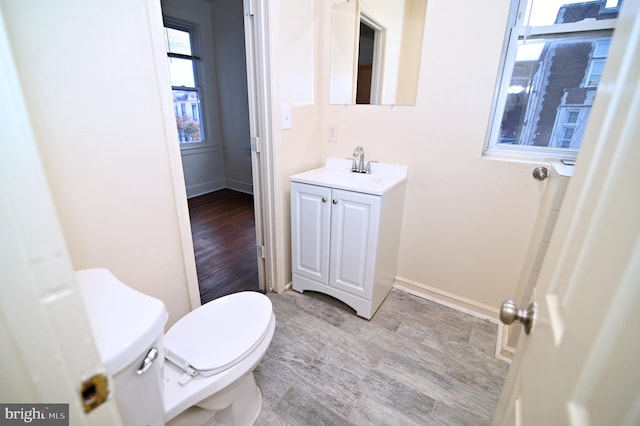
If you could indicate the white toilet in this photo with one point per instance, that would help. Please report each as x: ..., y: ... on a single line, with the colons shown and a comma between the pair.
x: 199, y: 372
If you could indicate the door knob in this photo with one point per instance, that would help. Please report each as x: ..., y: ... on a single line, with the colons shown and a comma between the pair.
x: 509, y: 313
x: 540, y: 173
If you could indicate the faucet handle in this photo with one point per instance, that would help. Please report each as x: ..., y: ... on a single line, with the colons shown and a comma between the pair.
x: 368, y: 169
x: 354, y: 164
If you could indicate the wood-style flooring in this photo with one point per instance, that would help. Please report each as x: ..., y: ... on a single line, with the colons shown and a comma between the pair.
x: 224, y: 242
x: 415, y: 363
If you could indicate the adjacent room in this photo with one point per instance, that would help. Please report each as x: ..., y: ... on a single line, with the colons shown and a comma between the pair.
x: 206, y: 53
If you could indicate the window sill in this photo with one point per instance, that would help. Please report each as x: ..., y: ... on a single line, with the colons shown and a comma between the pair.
x: 197, y: 148
x: 527, y: 155
x: 560, y: 168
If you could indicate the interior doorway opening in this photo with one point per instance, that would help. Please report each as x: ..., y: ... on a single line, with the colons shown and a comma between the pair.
x: 369, y: 57
x: 219, y: 172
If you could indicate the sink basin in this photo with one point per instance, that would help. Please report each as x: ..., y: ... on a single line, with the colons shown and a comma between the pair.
x: 337, y: 174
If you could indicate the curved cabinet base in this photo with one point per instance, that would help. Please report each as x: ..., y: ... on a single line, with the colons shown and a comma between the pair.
x: 364, y: 308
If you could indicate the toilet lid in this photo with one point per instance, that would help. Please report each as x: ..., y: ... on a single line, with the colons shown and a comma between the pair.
x: 219, y: 334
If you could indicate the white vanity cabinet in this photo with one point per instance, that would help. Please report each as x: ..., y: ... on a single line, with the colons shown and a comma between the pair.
x: 345, y: 242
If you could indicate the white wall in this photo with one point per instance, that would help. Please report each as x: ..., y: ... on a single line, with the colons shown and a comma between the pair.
x: 96, y: 87
x: 467, y: 218
x: 231, y: 76
x: 299, y: 148
x: 292, y: 26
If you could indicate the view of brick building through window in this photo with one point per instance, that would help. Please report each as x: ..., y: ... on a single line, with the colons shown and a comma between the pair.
x: 554, y: 81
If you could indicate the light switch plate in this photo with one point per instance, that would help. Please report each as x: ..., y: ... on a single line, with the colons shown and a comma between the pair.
x: 332, y: 137
x: 285, y: 117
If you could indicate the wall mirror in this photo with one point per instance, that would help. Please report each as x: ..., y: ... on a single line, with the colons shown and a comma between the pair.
x: 376, y: 48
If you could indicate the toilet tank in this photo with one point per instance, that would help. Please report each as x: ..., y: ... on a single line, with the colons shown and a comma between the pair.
x: 127, y: 326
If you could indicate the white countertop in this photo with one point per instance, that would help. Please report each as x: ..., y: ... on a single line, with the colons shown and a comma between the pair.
x: 337, y: 173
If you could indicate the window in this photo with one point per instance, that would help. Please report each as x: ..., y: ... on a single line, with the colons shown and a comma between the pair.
x: 554, y: 58
x: 567, y: 130
x: 184, y: 66
x: 596, y: 66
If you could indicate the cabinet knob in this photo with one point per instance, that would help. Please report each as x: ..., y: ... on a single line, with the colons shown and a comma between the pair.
x: 324, y: 199
x: 334, y: 201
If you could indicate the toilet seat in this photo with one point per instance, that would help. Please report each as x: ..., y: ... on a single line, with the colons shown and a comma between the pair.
x: 219, y: 334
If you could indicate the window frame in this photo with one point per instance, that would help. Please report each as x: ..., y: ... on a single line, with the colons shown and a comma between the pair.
x: 591, y: 72
x: 197, y: 62
x: 567, y: 126
x: 596, y: 58
x: 516, y: 29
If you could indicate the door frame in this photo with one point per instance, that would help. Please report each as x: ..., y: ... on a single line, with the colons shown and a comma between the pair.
x: 256, y: 27
x: 259, y: 100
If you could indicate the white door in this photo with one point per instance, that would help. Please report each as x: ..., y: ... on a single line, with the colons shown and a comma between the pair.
x: 355, y: 219
x: 48, y: 354
x: 579, y: 364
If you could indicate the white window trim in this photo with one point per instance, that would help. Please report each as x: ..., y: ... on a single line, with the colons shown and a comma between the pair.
x: 516, y: 28
x: 194, y: 29
x: 588, y: 77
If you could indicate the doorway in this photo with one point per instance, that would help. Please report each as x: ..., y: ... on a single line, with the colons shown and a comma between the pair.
x: 369, y: 57
x: 219, y: 172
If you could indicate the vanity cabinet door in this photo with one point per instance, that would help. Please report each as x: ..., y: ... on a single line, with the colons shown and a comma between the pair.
x: 355, y: 220
x: 310, y: 226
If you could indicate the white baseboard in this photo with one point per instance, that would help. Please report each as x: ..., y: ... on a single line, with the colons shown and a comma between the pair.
x: 205, y: 188
x: 247, y: 188
x: 468, y: 306
x: 503, y: 352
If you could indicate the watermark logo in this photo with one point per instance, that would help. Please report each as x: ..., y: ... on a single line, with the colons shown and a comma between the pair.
x: 34, y: 414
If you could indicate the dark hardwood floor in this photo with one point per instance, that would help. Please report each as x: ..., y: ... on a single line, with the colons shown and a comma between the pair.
x: 224, y: 241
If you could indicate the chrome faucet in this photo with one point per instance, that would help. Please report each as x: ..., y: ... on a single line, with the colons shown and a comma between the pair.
x: 358, y: 153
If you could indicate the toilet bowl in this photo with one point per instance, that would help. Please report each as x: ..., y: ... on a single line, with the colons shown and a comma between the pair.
x: 199, y: 372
